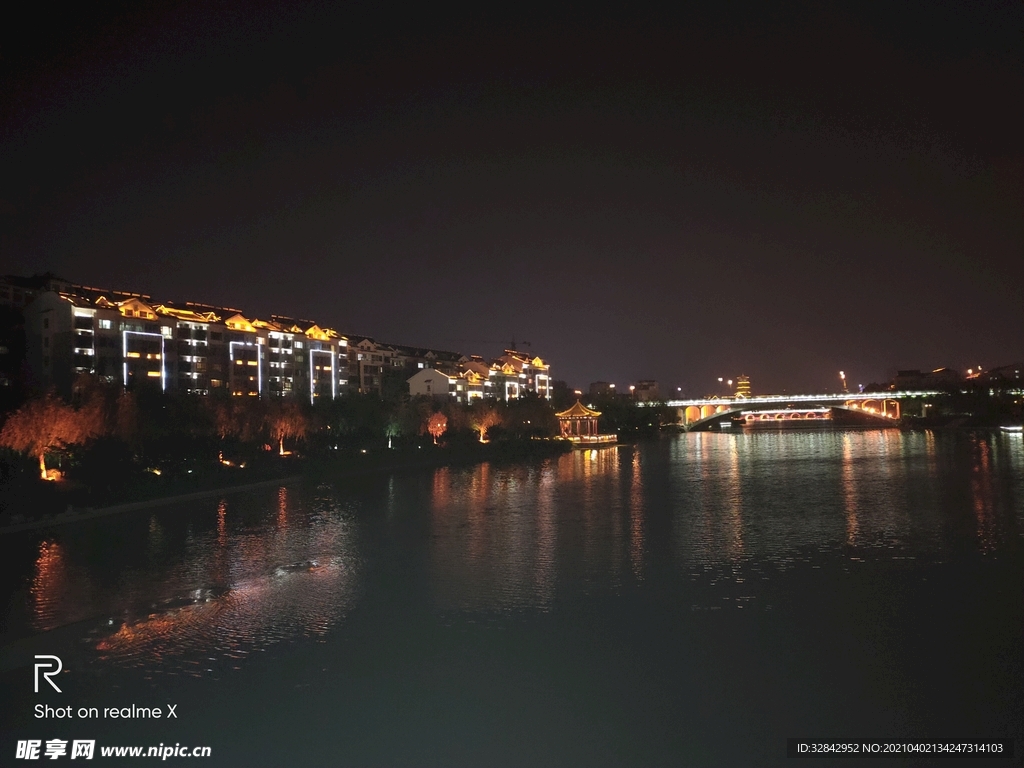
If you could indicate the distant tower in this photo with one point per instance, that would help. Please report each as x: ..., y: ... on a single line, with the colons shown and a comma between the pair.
x: 742, y: 386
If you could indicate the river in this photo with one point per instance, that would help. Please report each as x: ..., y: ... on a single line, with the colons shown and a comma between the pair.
x: 693, y: 600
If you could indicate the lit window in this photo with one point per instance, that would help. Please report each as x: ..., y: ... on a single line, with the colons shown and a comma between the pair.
x: 105, y: 325
x: 298, y: 345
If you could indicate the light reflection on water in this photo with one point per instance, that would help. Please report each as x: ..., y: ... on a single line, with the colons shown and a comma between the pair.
x: 223, y: 593
x: 706, y: 514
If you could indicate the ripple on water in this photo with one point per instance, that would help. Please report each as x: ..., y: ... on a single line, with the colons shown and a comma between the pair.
x: 188, y: 637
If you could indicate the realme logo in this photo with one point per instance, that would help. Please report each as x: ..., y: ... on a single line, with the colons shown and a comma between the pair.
x: 53, y: 664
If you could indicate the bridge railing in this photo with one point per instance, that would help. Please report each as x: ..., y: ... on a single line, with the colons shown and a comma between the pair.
x: 842, y: 397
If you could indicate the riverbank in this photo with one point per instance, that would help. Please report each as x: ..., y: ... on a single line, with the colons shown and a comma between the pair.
x: 50, y: 505
x: 73, y: 515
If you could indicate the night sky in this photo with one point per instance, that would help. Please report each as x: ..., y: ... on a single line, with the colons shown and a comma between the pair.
x: 779, y: 192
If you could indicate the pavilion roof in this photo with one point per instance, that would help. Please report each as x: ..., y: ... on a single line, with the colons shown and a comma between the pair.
x: 578, y: 411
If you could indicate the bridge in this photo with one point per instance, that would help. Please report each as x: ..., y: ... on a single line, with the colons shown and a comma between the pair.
x: 886, y: 407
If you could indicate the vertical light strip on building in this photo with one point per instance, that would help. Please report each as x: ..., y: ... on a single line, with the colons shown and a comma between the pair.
x: 334, y: 388
x: 259, y: 361
x: 124, y: 355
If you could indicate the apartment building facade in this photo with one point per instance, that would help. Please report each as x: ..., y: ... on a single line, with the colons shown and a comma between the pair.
x: 510, y: 376
x: 190, y: 348
x: 130, y: 339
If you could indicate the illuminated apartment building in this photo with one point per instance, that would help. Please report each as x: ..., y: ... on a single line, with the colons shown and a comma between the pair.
x: 195, y: 348
x: 121, y: 339
x: 510, y: 376
x: 516, y: 373
x: 462, y: 387
x: 481, y: 376
x: 368, y: 363
x: 413, y: 359
x: 197, y: 366
x: 371, y: 362
x: 312, y: 360
x: 129, y: 339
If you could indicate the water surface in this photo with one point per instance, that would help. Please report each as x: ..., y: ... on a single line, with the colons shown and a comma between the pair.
x: 693, y: 600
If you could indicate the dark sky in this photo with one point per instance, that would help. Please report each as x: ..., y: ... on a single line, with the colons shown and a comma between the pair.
x: 783, y: 193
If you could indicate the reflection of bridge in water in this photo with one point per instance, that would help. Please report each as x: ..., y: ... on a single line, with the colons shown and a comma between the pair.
x: 880, y: 407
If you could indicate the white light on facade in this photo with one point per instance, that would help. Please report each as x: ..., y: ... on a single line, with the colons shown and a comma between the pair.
x: 124, y: 350
x: 259, y: 360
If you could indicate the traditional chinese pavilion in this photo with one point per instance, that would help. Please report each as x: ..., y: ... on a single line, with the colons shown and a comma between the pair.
x: 579, y: 424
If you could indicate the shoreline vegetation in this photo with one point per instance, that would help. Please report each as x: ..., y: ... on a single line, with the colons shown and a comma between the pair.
x: 68, y: 503
x: 64, y: 503
x: 106, y: 449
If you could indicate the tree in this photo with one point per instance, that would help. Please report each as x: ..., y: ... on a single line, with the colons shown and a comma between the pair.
x: 47, y: 423
x: 437, y: 424
x: 415, y: 414
x: 126, y: 419
x: 562, y: 396
x: 286, y: 419
x: 483, y: 416
x: 242, y: 418
x: 530, y: 416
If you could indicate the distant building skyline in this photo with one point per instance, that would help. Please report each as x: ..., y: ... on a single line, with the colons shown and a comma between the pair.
x: 72, y: 329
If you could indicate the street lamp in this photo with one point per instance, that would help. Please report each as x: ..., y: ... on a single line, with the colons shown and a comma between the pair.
x: 842, y: 376
x: 631, y: 390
